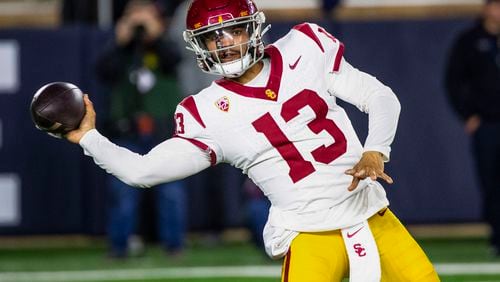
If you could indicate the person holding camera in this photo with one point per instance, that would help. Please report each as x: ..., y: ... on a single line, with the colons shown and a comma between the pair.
x: 473, y: 89
x: 139, y: 69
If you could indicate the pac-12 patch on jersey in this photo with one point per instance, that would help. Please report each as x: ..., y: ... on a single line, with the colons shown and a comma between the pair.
x: 223, y: 104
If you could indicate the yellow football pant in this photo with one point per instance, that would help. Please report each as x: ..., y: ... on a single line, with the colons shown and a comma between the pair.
x: 321, y: 256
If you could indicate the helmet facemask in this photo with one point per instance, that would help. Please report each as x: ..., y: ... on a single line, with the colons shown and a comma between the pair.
x: 236, y: 45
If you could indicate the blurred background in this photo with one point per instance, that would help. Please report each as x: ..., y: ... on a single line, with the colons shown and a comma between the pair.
x: 53, y: 195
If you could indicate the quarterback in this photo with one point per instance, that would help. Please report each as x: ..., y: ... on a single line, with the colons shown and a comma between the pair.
x: 273, y: 114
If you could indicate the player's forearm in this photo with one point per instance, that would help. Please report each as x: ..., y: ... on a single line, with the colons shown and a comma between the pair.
x: 383, y: 119
x: 171, y: 160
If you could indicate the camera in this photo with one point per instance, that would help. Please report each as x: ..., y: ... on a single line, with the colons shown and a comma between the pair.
x: 139, y: 33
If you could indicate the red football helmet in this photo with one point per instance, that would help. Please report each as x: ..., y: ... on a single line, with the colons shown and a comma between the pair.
x: 233, y: 27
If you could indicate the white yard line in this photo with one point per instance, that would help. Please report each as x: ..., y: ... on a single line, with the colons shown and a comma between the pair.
x: 207, y: 272
x: 467, y: 268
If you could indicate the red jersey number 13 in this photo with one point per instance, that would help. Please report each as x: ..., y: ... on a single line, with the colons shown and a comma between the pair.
x: 299, y: 167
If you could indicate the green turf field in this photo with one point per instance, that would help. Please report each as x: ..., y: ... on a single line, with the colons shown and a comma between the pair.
x: 455, y: 260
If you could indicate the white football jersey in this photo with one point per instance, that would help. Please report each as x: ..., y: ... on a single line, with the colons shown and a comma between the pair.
x: 288, y: 135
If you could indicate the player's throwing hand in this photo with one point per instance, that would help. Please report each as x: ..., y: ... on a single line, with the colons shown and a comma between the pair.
x: 87, y: 123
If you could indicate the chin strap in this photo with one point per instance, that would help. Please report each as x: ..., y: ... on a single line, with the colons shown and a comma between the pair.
x: 265, y: 30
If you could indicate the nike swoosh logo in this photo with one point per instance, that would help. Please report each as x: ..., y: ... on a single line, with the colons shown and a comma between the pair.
x: 292, y: 67
x: 354, y: 233
x: 382, y: 212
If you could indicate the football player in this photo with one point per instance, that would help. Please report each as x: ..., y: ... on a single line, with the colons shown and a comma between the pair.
x: 274, y: 115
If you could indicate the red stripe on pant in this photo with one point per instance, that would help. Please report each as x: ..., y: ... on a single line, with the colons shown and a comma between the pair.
x: 287, y: 265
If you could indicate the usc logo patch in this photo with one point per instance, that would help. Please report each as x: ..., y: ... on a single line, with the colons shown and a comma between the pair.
x: 270, y: 94
x: 358, y: 249
x: 223, y: 104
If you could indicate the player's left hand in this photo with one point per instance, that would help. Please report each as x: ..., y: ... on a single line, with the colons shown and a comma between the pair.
x: 371, y: 165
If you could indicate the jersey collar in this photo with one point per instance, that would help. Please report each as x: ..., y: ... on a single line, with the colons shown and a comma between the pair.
x: 271, y: 90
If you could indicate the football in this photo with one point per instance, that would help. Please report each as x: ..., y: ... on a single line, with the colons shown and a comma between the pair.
x: 57, y: 108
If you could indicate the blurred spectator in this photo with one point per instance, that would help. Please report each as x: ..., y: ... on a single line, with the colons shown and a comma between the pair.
x: 473, y: 85
x: 139, y: 66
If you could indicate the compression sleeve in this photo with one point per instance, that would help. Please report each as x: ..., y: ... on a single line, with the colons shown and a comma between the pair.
x: 371, y: 96
x: 171, y: 160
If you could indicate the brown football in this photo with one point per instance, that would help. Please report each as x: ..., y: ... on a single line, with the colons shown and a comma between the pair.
x: 57, y: 108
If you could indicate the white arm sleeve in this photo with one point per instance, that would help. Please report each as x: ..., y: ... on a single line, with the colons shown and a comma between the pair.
x: 171, y: 160
x: 372, y: 97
